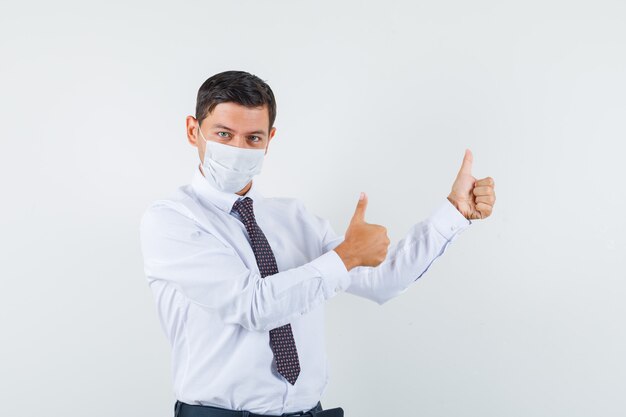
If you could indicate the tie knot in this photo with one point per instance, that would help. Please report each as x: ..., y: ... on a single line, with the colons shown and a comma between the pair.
x: 244, y: 208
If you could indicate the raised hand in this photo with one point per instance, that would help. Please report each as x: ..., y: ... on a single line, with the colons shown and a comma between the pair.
x: 365, y: 244
x: 473, y: 198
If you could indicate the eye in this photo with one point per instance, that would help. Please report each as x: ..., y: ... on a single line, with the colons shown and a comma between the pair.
x: 255, y: 140
x: 222, y: 136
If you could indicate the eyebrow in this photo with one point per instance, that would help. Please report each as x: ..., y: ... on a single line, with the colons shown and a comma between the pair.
x: 219, y: 126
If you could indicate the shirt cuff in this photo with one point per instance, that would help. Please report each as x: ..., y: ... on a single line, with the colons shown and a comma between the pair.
x: 448, y: 220
x: 335, y: 275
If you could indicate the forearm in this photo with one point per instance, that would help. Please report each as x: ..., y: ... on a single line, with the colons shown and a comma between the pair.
x: 212, y: 275
x: 410, y: 258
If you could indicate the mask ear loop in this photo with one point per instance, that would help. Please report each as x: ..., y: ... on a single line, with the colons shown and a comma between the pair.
x: 205, y: 148
x: 268, y: 146
x: 201, y: 134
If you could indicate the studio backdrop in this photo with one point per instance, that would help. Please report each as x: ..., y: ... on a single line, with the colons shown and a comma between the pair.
x: 522, y: 316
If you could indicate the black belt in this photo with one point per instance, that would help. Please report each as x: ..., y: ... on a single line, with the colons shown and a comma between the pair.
x: 187, y: 410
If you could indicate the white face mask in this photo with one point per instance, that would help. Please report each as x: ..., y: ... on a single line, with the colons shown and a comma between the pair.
x: 230, y: 168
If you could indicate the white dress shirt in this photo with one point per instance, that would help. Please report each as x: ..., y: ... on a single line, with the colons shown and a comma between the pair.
x: 217, y: 311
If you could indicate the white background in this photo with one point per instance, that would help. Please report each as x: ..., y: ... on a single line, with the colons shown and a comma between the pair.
x: 523, y: 316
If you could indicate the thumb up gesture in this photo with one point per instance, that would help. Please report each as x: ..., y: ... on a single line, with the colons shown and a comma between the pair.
x: 473, y: 198
x: 365, y: 244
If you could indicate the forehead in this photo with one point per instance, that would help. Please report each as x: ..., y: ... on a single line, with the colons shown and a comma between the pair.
x: 239, y: 117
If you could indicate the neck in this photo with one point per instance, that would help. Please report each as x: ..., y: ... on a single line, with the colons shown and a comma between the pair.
x: 245, y: 189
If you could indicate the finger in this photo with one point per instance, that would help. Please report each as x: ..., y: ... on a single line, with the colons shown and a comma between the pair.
x: 484, y: 209
x: 483, y: 190
x: 486, y: 181
x: 487, y: 199
x: 359, y: 213
x: 466, y: 166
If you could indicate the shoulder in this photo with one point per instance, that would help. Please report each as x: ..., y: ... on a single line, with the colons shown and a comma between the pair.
x: 172, y: 210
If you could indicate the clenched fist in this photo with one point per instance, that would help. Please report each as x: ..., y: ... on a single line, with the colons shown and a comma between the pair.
x: 364, y: 244
x: 473, y: 198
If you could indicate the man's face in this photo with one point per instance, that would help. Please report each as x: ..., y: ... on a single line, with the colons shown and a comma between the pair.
x: 232, y: 124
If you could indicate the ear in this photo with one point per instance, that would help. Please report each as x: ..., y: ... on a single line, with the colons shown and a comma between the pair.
x: 269, y: 138
x: 192, y: 131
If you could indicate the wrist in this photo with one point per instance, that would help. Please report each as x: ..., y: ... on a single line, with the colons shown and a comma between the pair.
x: 349, y: 260
x: 453, y: 202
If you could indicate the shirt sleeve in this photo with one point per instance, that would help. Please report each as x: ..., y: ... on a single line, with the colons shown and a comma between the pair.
x: 213, y: 276
x: 408, y: 259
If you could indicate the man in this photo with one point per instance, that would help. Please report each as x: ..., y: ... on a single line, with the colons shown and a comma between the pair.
x: 240, y: 280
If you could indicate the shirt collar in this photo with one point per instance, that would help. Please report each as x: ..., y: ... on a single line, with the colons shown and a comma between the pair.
x: 223, y: 200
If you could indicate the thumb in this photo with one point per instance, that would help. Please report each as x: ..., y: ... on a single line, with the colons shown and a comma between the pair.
x: 466, y: 166
x: 359, y: 213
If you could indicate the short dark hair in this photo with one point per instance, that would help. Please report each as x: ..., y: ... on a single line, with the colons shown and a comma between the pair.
x: 238, y: 87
